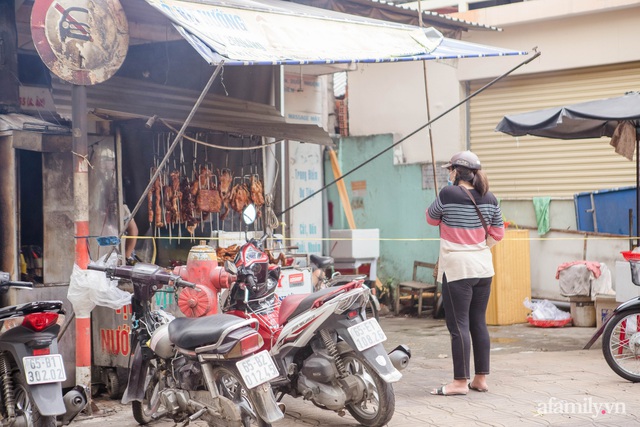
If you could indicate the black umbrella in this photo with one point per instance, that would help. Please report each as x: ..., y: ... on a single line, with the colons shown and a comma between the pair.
x: 592, y: 119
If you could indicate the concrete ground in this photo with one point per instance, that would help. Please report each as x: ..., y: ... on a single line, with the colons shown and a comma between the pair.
x: 540, y: 377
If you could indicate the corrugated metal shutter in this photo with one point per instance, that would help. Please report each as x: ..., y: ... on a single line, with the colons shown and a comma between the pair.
x: 529, y: 166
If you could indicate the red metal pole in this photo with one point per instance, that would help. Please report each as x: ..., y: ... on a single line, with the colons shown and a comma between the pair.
x: 81, y: 218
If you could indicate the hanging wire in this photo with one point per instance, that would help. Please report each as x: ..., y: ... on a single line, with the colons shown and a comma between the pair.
x: 222, y: 147
x: 477, y: 92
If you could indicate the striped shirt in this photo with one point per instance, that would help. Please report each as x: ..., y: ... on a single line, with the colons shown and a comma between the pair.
x: 464, y: 252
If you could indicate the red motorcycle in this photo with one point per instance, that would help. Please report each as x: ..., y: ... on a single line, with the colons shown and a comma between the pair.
x: 325, y: 348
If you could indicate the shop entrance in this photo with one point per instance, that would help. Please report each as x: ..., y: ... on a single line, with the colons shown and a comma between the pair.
x: 31, y: 215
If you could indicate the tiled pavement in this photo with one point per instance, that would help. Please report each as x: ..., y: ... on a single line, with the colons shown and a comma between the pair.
x: 540, y: 377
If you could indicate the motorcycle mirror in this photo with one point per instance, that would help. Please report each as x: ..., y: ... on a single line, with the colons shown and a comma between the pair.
x: 249, y: 214
x: 230, y: 268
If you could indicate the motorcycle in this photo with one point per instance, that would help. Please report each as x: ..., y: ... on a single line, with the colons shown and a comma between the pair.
x: 191, y: 368
x: 325, y: 348
x: 320, y: 264
x: 620, y: 331
x: 31, y: 368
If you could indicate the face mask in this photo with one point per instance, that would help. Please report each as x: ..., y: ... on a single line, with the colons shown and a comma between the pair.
x: 449, y: 182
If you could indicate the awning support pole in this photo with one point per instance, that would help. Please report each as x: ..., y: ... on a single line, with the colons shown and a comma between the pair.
x: 426, y: 96
x: 483, y: 88
x: 173, y: 145
x: 433, y: 154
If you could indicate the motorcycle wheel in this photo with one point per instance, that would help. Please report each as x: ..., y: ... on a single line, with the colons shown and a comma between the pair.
x: 25, y: 407
x: 231, y: 386
x: 379, y: 403
x: 371, y: 310
x: 143, y: 411
x: 621, y: 345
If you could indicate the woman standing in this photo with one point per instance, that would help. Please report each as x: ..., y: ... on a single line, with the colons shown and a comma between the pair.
x: 470, y: 223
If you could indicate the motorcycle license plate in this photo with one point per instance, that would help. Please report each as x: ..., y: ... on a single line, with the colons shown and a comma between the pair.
x: 44, y: 369
x: 367, y: 334
x: 257, y: 369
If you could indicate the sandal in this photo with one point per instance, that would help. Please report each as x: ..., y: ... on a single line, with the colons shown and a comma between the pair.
x: 440, y: 391
x: 481, y: 390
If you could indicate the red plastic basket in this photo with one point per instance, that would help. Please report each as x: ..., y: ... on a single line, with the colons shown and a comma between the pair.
x: 548, y: 323
x: 631, y: 256
x: 634, y: 262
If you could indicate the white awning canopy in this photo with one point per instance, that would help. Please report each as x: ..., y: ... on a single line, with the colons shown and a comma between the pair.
x: 274, y: 32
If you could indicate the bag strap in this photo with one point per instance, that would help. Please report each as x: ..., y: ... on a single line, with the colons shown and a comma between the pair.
x: 484, y: 223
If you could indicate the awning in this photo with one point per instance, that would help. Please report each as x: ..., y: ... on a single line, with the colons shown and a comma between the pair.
x: 274, y: 32
x: 24, y: 122
x: 120, y: 98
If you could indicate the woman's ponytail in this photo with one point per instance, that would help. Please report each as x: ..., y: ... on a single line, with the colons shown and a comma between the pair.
x: 480, y: 182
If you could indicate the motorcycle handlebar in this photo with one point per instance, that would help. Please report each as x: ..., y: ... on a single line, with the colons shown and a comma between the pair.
x: 251, y: 281
x: 143, y: 273
x: 6, y: 282
x: 20, y: 284
x: 183, y: 283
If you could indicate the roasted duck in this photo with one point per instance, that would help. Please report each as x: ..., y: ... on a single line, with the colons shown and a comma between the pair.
x: 257, y: 193
x: 225, y: 179
x: 240, y: 197
x: 208, y: 199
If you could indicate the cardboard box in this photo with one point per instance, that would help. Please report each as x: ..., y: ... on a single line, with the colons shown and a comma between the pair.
x: 355, y: 244
x: 604, y: 306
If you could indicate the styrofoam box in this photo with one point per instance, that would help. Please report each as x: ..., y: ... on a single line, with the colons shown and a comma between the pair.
x: 625, y: 289
x: 355, y: 244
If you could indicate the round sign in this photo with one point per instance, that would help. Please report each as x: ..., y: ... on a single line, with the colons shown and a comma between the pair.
x: 83, y: 42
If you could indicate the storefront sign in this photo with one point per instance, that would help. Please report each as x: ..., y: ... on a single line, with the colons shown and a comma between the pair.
x: 36, y: 99
x: 275, y: 33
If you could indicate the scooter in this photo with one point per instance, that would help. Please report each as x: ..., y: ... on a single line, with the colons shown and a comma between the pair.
x: 620, y: 331
x: 31, y: 368
x: 325, y: 348
x: 320, y: 264
x: 191, y: 368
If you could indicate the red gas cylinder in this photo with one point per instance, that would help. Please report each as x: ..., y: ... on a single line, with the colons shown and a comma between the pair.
x: 202, y: 269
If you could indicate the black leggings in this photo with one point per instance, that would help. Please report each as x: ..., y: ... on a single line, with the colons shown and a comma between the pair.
x: 465, y: 307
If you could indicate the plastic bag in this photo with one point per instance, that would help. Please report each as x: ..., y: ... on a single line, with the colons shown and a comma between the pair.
x: 88, y: 288
x: 545, y: 310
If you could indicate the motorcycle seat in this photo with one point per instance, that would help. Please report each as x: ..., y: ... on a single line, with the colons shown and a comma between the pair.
x: 321, y: 261
x: 190, y: 333
x: 31, y: 307
x: 294, y: 305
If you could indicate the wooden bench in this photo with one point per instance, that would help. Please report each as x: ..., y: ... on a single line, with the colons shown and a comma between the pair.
x: 417, y: 288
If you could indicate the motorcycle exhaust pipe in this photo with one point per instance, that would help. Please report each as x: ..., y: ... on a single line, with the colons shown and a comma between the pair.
x: 400, y: 356
x: 74, y: 401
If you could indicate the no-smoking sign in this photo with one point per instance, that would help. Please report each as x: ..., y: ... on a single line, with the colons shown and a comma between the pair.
x: 83, y: 42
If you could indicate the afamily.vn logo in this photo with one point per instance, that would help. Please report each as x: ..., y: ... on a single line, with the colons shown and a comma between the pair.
x: 586, y: 407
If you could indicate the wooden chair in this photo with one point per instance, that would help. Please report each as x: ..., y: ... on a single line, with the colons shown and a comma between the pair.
x: 417, y: 288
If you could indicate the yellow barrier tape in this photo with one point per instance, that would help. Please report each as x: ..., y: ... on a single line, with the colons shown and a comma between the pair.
x: 393, y: 239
